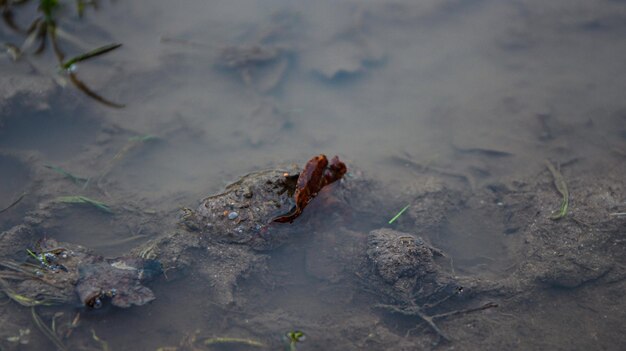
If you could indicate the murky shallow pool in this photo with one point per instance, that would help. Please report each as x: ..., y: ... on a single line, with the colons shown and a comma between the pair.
x: 448, y: 106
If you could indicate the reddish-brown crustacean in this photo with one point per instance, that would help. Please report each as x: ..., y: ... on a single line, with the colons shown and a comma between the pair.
x: 317, y: 173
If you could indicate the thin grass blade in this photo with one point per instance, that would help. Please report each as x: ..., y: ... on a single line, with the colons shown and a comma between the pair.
x: 79, y: 199
x: 226, y: 340
x: 83, y: 87
x: 45, y: 330
x: 63, y: 172
x: 91, y: 54
x: 399, y: 214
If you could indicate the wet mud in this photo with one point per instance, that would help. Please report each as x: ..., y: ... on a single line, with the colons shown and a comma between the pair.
x: 391, y: 272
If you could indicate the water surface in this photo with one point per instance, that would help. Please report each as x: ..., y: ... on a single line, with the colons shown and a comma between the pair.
x: 480, y: 91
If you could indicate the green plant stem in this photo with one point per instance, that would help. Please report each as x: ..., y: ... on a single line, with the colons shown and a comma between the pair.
x: 399, y: 214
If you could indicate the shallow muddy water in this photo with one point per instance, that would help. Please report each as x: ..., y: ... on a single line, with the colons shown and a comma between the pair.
x: 449, y: 106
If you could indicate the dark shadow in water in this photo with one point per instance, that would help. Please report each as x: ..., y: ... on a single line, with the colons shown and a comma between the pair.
x: 476, y: 243
x: 104, y: 233
x: 14, y: 176
x: 14, y: 180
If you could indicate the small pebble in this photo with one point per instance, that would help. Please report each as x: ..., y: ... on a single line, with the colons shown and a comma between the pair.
x: 97, y: 303
x: 233, y: 215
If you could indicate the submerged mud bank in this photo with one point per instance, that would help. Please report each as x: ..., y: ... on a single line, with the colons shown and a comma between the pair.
x: 401, y: 271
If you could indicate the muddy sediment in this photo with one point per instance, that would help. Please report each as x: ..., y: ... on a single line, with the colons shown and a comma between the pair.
x: 400, y: 271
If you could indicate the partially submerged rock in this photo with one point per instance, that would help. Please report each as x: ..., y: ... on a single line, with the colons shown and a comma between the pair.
x: 227, y: 237
x: 119, y: 280
x: 230, y: 228
x: 244, y: 212
x: 68, y: 273
x: 402, y: 267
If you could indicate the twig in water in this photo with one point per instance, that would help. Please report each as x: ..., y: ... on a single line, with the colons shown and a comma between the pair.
x: 121, y: 241
x: 560, y: 185
x: 417, y: 311
x: 19, y: 198
x: 468, y: 310
x: 47, y: 331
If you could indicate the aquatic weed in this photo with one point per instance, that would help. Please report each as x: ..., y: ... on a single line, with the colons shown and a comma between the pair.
x: 189, y: 342
x: 74, y: 178
x: 79, y: 199
x: 45, y: 330
x: 103, y: 343
x: 44, y: 29
x: 294, y: 337
x: 227, y: 340
x: 25, y: 300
